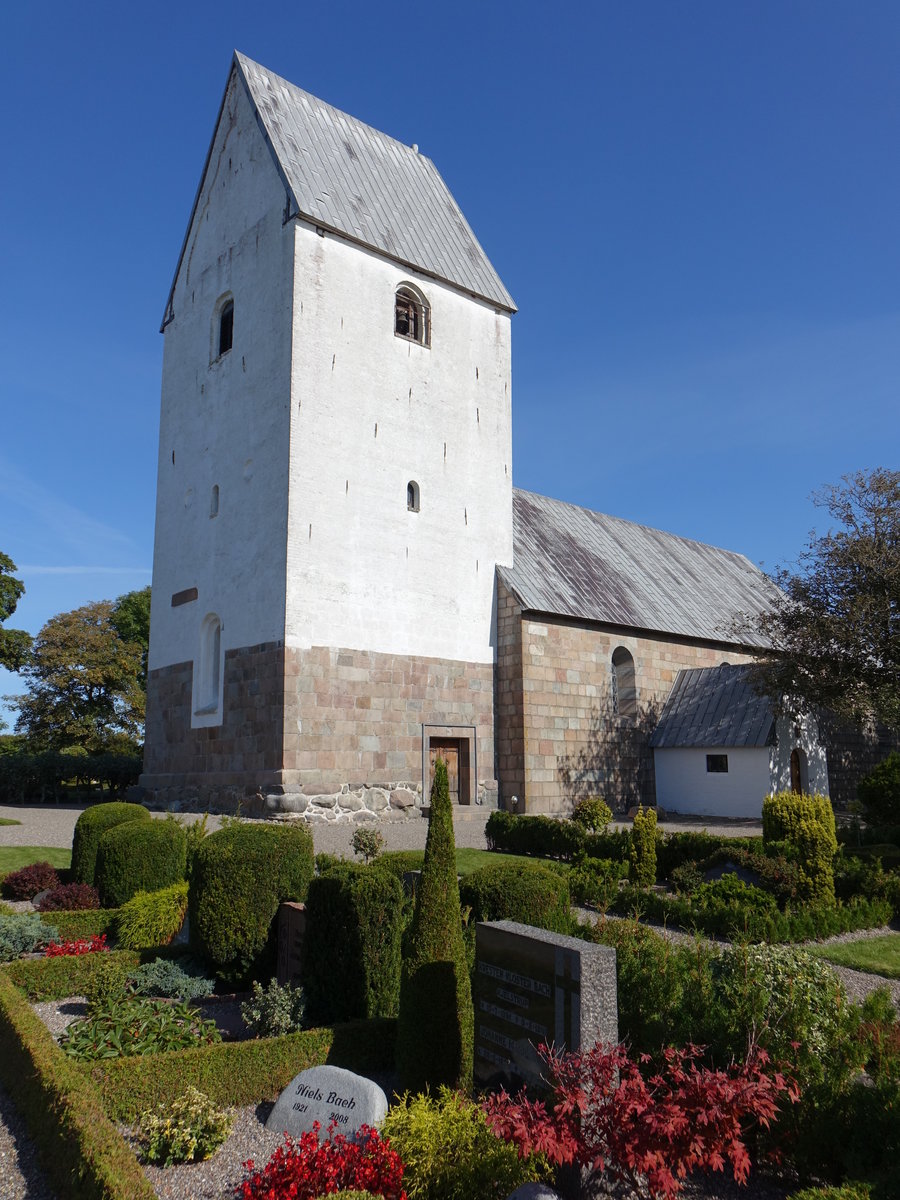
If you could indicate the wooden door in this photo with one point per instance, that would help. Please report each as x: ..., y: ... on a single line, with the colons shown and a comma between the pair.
x: 796, y: 774
x: 448, y: 750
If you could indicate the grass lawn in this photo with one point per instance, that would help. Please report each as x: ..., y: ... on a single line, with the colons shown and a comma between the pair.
x: 13, y: 857
x: 9, y: 821
x: 879, y: 955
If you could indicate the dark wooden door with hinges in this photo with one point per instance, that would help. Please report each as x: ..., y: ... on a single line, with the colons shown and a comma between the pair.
x: 449, y: 750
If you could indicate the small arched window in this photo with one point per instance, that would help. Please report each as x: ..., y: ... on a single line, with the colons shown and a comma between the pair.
x: 226, y: 328
x: 623, y: 684
x: 412, y: 316
x: 412, y: 496
x: 208, y: 693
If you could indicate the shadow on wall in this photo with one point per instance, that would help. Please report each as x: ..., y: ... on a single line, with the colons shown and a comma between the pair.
x: 617, y: 761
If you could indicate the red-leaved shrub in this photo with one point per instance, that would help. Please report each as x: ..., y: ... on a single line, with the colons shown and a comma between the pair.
x: 68, y: 897
x: 304, y: 1168
x: 25, y: 883
x: 646, y: 1133
x: 79, y: 946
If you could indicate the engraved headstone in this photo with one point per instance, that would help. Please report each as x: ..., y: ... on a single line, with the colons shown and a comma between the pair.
x: 533, y: 987
x: 331, y: 1096
x: 291, y: 932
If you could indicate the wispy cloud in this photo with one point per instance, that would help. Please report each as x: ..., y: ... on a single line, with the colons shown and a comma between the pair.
x: 71, y: 525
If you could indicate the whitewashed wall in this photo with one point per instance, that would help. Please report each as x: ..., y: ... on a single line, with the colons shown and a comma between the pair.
x: 802, y: 732
x: 370, y: 412
x: 684, y: 785
x: 226, y: 421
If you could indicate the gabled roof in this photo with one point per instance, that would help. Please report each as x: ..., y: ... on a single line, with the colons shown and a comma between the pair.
x: 571, y: 562
x: 348, y: 178
x: 714, y: 706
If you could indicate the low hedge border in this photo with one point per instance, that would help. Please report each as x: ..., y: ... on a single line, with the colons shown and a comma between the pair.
x: 84, y: 922
x: 58, y: 978
x: 78, y: 1146
x: 239, y: 1073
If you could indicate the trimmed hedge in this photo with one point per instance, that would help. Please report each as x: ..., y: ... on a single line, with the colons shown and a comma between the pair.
x: 542, y: 837
x: 240, y: 876
x: 352, y: 945
x: 84, y: 922
x: 61, y: 976
x: 90, y: 827
x: 78, y: 1146
x: 142, y: 856
x: 673, y: 850
x: 239, y: 1073
x: 524, y: 892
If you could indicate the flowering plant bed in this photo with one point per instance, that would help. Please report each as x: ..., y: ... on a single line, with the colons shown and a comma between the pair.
x: 91, y: 945
x: 304, y: 1168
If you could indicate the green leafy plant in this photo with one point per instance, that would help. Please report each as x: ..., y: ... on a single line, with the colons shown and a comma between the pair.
x: 686, y: 878
x: 642, y: 852
x: 274, y: 1010
x: 180, y: 979
x: 592, y: 813
x: 90, y: 827
x: 135, y: 1026
x: 450, y: 1153
x: 368, y: 843
x: 189, y: 1129
x: 108, y: 981
x: 144, y: 856
x: 151, y: 919
x: 241, y: 874
x: 436, y: 1022
x: 24, y: 933
x: 595, y: 881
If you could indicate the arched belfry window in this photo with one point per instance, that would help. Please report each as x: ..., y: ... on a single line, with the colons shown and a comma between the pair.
x: 222, y: 327
x: 412, y: 496
x: 412, y: 316
x: 208, y: 691
x: 623, y: 684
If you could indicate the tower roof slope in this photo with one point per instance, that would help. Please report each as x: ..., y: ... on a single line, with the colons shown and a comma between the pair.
x: 714, y: 706
x: 572, y: 562
x: 352, y: 179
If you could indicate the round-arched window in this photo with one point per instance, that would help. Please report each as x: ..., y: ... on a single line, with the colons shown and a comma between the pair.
x: 412, y: 496
x: 623, y: 683
x: 412, y: 315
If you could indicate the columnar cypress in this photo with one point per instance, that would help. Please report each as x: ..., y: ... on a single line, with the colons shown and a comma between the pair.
x: 436, y: 1023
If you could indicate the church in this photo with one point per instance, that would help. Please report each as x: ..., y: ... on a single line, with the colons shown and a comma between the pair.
x: 346, y: 584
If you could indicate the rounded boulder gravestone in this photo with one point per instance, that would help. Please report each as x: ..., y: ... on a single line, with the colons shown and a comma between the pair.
x: 329, y: 1096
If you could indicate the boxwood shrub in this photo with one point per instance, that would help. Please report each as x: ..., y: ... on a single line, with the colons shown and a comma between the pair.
x: 542, y: 837
x: 352, y: 948
x: 90, y: 827
x: 241, y: 874
x: 524, y: 892
x: 139, y: 856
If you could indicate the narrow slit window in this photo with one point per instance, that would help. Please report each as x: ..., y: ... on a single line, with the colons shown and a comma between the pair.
x: 623, y: 685
x: 209, y: 675
x: 214, y: 501
x: 226, y: 328
x: 412, y: 496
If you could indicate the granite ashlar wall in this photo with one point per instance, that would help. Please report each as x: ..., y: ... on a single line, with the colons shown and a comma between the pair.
x: 323, y: 722
x: 355, y: 716
x: 572, y: 743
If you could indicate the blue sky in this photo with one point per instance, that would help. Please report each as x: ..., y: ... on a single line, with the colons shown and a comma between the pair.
x: 694, y: 205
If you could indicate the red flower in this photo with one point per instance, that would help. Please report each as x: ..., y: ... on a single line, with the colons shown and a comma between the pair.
x: 304, y: 1168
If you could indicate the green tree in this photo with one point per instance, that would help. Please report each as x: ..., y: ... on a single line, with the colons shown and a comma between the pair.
x: 834, y: 629
x: 131, y: 621
x: 83, y: 684
x: 15, y: 644
x: 435, y: 1030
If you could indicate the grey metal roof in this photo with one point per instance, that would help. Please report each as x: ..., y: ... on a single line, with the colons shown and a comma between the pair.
x: 714, y: 706
x: 572, y: 562
x: 348, y: 177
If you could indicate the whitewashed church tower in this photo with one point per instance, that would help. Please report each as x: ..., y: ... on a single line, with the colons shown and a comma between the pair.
x: 335, y: 474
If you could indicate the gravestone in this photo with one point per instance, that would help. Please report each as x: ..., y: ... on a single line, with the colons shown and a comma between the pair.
x: 291, y: 932
x: 533, y: 987
x: 331, y: 1096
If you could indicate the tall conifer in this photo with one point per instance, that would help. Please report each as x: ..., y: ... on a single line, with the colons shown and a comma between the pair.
x: 436, y: 1024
